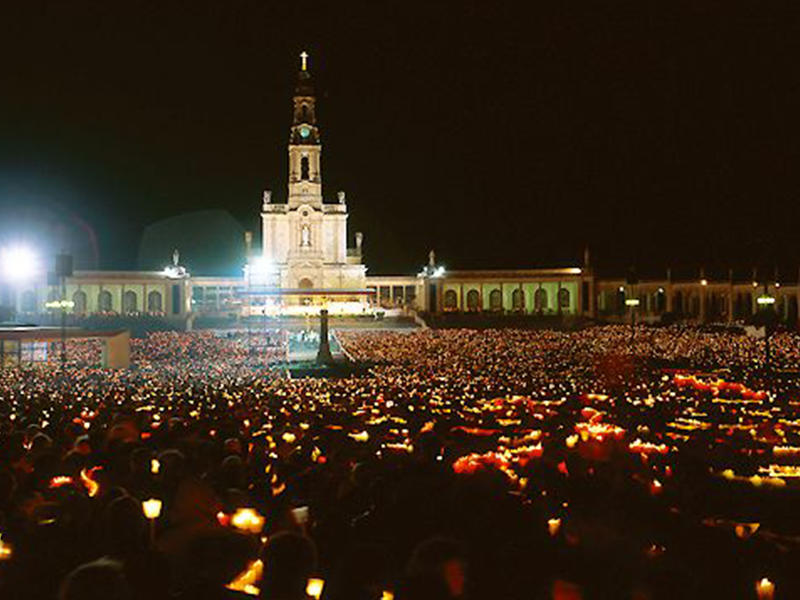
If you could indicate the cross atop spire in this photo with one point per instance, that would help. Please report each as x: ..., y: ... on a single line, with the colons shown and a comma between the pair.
x: 304, y: 61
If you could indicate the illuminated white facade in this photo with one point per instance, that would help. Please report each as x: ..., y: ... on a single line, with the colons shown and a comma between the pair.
x: 305, y: 240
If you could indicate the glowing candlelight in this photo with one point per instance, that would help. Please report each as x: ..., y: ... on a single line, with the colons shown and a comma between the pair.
x: 387, y: 595
x: 289, y: 437
x: 155, y: 466
x: 152, y: 508
x: 553, y: 525
x: 60, y: 480
x: 247, y: 519
x: 5, y: 549
x: 245, y: 582
x: 765, y: 589
x: 314, y: 588
x: 362, y: 436
x: 92, y: 487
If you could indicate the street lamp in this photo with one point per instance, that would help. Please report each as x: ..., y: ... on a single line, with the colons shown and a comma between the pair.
x: 633, y: 304
x: 766, y: 304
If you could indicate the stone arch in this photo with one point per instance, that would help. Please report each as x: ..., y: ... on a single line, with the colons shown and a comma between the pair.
x: 473, y: 300
x: 105, y: 302
x: 677, y: 302
x: 27, y: 301
x: 496, y: 300
x: 563, y: 298
x: 306, y: 284
x: 129, y: 302
x: 80, y: 301
x: 540, y: 300
x: 450, y: 300
x: 154, y: 302
x: 660, y: 301
x: 694, y: 304
x: 518, y: 300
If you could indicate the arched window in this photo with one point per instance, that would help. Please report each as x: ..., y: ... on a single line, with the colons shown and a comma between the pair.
x: 677, y: 303
x: 563, y: 298
x: 154, y: 302
x: 660, y: 301
x: 473, y: 300
x: 129, y: 302
x: 79, y: 299
x: 304, y: 168
x: 518, y: 299
x: 540, y: 300
x: 28, y: 301
x: 105, y: 301
x: 496, y: 300
x: 450, y: 300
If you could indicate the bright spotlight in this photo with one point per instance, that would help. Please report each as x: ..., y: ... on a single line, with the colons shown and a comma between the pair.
x: 261, y: 265
x: 18, y: 263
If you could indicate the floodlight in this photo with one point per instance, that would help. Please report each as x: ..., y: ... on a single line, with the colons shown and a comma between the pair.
x: 18, y: 263
x: 261, y: 265
x: 765, y: 300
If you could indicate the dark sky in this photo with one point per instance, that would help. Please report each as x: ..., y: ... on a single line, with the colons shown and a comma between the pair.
x: 503, y: 134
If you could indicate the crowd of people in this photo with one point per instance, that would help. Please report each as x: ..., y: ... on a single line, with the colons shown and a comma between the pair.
x: 462, y: 464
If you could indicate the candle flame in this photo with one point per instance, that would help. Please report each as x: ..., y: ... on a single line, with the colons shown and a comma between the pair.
x: 152, y: 508
x: 92, y: 487
x: 314, y: 588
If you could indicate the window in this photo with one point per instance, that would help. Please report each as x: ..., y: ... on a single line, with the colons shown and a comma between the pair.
x: 79, y: 298
x: 450, y: 300
x: 129, y: 302
x: 104, y: 301
x: 304, y: 168
x: 540, y: 300
x: 154, y: 302
x: 473, y: 299
x: 563, y: 298
x: 518, y: 299
x: 496, y: 300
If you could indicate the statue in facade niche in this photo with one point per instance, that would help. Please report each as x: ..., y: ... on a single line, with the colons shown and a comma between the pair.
x: 342, y: 197
x: 305, y: 237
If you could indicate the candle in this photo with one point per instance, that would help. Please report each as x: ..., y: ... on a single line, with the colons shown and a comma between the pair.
x: 152, y: 508
x: 5, y: 549
x: 155, y: 466
x: 247, y: 519
x: 553, y: 525
x: 314, y: 588
x: 765, y: 589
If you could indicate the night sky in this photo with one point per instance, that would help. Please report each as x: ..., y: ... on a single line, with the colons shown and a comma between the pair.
x: 502, y: 134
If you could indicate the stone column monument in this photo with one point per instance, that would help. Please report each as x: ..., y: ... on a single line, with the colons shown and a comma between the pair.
x: 324, y: 356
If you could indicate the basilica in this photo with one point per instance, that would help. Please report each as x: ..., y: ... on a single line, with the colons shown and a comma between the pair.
x: 308, y: 260
x: 305, y: 240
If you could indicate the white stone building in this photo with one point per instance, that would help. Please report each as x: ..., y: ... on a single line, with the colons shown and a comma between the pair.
x: 305, y: 240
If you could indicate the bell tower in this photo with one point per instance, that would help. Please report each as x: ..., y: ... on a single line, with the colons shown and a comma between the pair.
x: 305, y: 178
